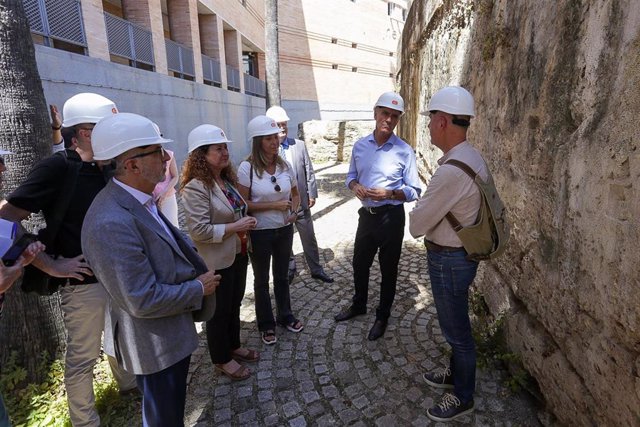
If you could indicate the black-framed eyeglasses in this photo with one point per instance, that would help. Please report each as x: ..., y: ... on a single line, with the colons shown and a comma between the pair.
x: 148, y: 153
x: 276, y: 186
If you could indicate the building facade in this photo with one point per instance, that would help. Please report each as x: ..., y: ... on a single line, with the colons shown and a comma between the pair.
x: 186, y: 62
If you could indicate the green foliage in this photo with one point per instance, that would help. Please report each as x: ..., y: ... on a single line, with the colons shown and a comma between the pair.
x: 45, y: 404
x: 491, y: 344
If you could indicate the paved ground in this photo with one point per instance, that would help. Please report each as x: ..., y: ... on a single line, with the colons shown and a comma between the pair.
x: 330, y: 374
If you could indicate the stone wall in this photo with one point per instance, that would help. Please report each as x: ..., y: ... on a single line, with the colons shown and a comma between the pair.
x: 332, y: 141
x: 557, y: 89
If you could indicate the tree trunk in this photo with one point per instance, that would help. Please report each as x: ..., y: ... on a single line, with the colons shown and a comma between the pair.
x: 272, y: 60
x: 30, y: 324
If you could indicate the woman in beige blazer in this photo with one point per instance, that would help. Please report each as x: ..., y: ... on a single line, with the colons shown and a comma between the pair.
x: 218, y: 224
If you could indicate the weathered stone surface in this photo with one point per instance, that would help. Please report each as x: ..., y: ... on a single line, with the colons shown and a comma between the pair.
x: 557, y: 88
x: 332, y: 141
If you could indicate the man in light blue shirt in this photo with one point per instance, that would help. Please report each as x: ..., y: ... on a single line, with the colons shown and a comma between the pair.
x: 383, y: 175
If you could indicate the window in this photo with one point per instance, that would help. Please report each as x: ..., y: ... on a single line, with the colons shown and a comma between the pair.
x: 354, y: 45
x: 334, y: 41
x: 334, y: 66
x: 354, y: 69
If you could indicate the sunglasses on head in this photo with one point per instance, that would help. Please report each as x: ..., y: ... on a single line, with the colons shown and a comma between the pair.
x: 276, y: 186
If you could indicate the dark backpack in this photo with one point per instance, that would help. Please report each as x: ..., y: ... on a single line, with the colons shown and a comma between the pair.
x: 487, y: 238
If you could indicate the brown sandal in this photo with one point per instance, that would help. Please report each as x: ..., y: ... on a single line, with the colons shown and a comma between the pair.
x: 242, y: 373
x: 250, y: 355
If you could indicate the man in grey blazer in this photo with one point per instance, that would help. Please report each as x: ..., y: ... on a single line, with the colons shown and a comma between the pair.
x: 295, y: 152
x: 157, y: 284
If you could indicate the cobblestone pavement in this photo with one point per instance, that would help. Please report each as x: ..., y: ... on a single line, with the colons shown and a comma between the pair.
x: 330, y: 374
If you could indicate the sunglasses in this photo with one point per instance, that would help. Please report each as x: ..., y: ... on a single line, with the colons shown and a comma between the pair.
x: 276, y: 186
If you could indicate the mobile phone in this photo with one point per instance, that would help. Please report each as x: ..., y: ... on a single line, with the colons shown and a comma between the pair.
x: 16, y: 249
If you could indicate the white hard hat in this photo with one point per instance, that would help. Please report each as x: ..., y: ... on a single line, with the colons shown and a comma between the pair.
x: 119, y: 133
x: 391, y: 100
x: 278, y: 114
x: 87, y: 108
x: 454, y: 100
x: 3, y: 152
x: 262, y: 126
x: 206, y: 135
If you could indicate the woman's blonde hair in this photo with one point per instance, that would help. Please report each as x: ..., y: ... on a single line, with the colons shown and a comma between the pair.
x: 196, y: 167
x: 258, y: 159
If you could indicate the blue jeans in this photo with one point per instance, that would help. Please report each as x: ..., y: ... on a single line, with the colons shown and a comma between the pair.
x: 451, y: 275
x: 267, y: 244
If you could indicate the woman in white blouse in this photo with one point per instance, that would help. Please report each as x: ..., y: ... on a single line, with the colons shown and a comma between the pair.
x: 268, y: 184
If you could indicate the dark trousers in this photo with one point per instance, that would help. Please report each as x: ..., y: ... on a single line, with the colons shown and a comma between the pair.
x: 267, y: 245
x: 223, y: 330
x: 381, y: 232
x: 164, y: 394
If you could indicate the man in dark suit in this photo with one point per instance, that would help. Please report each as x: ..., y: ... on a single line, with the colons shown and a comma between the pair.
x: 295, y: 152
x: 157, y: 284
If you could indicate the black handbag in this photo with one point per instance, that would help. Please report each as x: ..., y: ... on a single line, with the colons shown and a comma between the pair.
x: 34, y: 279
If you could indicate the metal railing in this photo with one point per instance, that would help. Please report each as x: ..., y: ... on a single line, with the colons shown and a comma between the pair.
x: 211, y: 70
x: 129, y: 40
x: 254, y: 86
x: 179, y: 59
x: 56, y: 19
x: 233, y: 78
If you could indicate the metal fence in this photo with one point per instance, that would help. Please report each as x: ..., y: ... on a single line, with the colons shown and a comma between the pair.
x: 56, y: 19
x: 233, y: 78
x: 254, y: 86
x: 211, y: 70
x: 180, y: 59
x: 129, y: 40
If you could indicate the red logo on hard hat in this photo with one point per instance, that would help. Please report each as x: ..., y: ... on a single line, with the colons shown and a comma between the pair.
x: 114, y: 110
x: 222, y: 134
x: 273, y: 124
x: 394, y: 102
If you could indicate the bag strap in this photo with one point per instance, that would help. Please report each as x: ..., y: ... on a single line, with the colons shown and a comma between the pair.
x: 453, y: 221
x: 250, y: 179
x: 64, y: 197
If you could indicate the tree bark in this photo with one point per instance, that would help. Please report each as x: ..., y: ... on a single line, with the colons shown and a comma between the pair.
x: 30, y: 324
x: 272, y: 60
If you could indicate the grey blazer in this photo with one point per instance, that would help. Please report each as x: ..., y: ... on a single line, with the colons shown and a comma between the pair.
x: 304, y: 173
x: 150, y: 279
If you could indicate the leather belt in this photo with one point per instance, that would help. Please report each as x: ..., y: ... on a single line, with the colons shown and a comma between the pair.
x: 439, y: 248
x: 374, y: 210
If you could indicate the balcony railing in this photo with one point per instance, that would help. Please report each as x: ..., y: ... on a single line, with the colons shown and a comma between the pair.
x: 233, y: 79
x: 180, y: 59
x: 129, y: 40
x: 254, y: 86
x: 211, y: 71
x: 56, y: 20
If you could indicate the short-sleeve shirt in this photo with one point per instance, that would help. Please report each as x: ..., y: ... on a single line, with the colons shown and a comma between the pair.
x: 263, y: 190
x: 42, y: 188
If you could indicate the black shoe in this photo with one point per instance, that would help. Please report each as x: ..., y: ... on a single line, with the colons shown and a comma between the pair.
x: 377, y: 330
x: 449, y: 408
x: 322, y: 276
x: 348, y: 314
x: 442, y: 379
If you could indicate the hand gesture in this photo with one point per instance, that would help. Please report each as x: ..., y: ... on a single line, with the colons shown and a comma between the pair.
x: 282, y: 205
x: 56, y: 121
x: 30, y: 253
x: 360, y: 190
x: 210, y: 281
x: 312, y: 202
x: 70, y: 267
x: 378, y: 194
x: 246, y: 223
